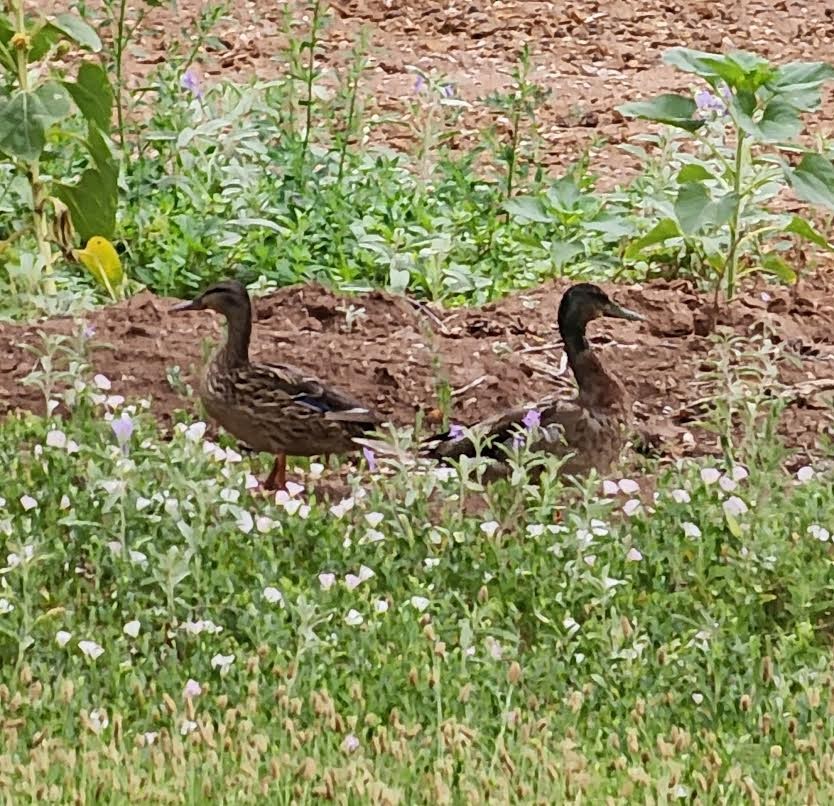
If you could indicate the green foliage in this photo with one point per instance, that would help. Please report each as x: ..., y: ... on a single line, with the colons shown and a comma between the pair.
x: 720, y: 212
x: 36, y: 110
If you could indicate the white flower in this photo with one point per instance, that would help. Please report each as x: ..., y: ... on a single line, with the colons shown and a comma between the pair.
x: 229, y: 495
x: 610, y: 487
x: 373, y: 519
x: 264, y: 524
x: 5, y: 607
x: 62, y: 638
x: 494, y: 648
x: 697, y: 698
x: 327, y: 581
x: 431, y: 562
x: 631, y: 506
x: 709, y: 475
x: 805, y: 474
x: 590, y: 559
x: 419, y: 602
x: 535, y: 529
x: 628, y: 486
x: 489, y: 528
x: 819, y: 532
x: 634, y: 556
x: 51, y: 405
x: 250, y: 482
x: 353, y: 618
x: 132, y: 628
x: 65, y: 502
x: 681, y: 497
x: 196, y: 431
x: 381, y: 606
x: 372, y: 536
x: 142, y: 503
x: 203, y: 625
x: 598, y: 527
x: 273, y: 595
x: 690, y: 530
x: 292, y: 506
x: 316, y: 469
x: 444, y: 474
x: 150, y: 737
x: 294, y: 489
x: 91, y: 649
x: 342, y: 508
x: 570, y: 624
x: 187, y: 726
x: 739, y: 473
x: 102, y: 382
x: 72, y: 446
x: 192, y: 689
x: 610, y: 582
x: 27, y: 502
x: 244, y: 521
x: 232, y: 456
x: 137, y: 557
x: 727, y: 484
x: 98, y: 721
x: 354, y: 580
x: 350, y: 744
x: 734, y: 506
x: 56, y: 439
x: 222, y: 662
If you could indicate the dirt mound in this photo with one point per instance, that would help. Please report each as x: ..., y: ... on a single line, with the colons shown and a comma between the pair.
x: 400, y: 356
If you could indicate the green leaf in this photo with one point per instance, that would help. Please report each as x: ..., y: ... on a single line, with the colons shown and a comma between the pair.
x: 732, y: 524
x: 779, y: 122
x: 804, y: 229
x: 773, y: 264
x: 527, y: 208
x: 563, y: 252
x: 813, y: 180
x: 692, y: 207
x: 55, y: 101
x: 724, y: 208
x: 93, y: 94
x: 688, y: 60
x: 74, y: 28
x: 23, y: 122
x: 693, y: 173
x: 739, y: 70
x: 43, y: 38
x: 669, y: 108
x: 800, y: 83
x: 664, y: 230
x: 92, y: 204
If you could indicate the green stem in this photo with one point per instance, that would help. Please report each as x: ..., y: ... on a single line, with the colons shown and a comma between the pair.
x: 310, y: 75
x: 39, y: 222
x: 511, y: 161
x: 732, y: 252
x: 120, y: 49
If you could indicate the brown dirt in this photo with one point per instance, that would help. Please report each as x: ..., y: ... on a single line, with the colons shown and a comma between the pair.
x: 503, y: 354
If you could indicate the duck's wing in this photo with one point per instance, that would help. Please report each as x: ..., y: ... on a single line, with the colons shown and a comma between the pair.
x: 559, y: 417
x: 282, y: 386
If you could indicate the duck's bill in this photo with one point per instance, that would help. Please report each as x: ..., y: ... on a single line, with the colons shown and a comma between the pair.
x: 618, y: 312
x: 190, y: 305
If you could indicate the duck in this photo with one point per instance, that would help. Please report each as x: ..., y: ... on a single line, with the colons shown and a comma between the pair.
x: 272, y: 408
x: 587, y: 432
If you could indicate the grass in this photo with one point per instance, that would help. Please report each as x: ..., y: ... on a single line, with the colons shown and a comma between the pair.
x: 166, y: 635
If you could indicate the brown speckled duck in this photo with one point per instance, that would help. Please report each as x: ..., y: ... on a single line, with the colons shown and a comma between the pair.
x: 273, y: 408
x: 591, y: 426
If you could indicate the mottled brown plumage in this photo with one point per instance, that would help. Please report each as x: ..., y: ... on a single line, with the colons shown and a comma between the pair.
x: 274, y: 408
x: 591, y: 426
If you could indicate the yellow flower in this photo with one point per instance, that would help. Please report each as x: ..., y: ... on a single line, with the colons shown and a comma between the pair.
x: 102, y: 261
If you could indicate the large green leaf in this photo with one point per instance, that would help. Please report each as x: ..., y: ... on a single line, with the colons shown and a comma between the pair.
x: 779, y: 122
x: 527, y: 208
x: 800, y: 83
x: 774, y: 264
x: 23, y: 122
x: 669, y: 108
x: 805, y: 229
x: 689, y: 60
x: 55, y: 101
x: 813, y: 180
x: 93, y: 94
x: 694, y: 172
x: 664, y: 230
x: 74, y: 28
x: 563, y: 252
x: 693, y: 207
x: 738, y: 70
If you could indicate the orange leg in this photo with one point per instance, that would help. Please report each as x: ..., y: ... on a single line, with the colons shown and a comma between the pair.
x: 277, y: 479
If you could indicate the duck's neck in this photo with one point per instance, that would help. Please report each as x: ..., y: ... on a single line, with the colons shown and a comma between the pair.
x: 597, y: 387
x: 235, y: 352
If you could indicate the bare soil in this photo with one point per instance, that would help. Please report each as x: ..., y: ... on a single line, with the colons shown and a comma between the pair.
x: 399, y: 354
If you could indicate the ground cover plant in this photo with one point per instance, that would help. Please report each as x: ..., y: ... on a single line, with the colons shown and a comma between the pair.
x: 383, y: 632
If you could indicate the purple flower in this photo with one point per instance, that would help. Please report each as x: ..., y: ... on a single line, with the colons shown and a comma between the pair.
x: 532, y: 419
x: 709, y: 104
x: 419, y: 83
x: 370, y: 458
x: 191, y: 81
x: 518, y: 440
x: 448, y: 90
x: 455, y: 432
x: 89, y: 331
x: 122, y: 428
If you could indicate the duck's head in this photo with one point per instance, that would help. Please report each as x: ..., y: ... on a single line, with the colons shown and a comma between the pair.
x: 228, y: 297
x: 585, y: 302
